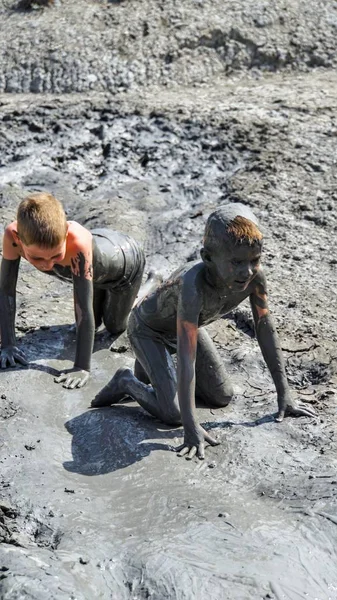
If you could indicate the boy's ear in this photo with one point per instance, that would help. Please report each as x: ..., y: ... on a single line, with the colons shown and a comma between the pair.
x: 16, y: 237
x: 205, y: 256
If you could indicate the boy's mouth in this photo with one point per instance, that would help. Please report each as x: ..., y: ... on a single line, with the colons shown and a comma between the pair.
x: 241, y: 283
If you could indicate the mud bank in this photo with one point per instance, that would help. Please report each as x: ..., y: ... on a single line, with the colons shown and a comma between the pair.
x: 83, y: 45
x: 95, y: 503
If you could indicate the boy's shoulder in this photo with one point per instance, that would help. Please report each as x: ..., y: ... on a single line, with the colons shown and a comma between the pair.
x: 77, y: 235
x: 193, y: 282
x: 189, y: 273
x: 259, y: 280
x: 10, y: 228
x: 11, y: 250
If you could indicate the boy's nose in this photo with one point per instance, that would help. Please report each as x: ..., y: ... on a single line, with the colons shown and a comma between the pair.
x: 48, y: 265
x: 246, y: 271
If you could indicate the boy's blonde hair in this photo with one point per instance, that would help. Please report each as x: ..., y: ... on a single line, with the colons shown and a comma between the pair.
x: 41, y: 220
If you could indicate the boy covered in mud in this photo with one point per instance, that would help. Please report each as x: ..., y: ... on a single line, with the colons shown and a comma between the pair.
x: 170, y: 321
x: 105, y: 267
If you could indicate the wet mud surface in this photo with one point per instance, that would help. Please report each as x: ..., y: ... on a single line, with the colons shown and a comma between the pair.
x: 95, y: 504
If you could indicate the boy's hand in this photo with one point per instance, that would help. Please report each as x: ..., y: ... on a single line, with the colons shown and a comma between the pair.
x: 194, y: 443
x: 73, y: 378
x: 12, y: 355
x: 290, y: 408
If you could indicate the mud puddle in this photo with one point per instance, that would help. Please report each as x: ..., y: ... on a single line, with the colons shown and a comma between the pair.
x: 94, y: 503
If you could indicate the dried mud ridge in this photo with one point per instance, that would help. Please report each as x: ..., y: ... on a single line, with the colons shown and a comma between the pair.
x: 95, y: 502
x: 70, y: 47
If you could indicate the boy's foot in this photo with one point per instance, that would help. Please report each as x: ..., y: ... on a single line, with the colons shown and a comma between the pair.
x: 114, y: 391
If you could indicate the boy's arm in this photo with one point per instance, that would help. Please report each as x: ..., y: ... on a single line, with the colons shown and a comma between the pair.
x: 81, y: 267
x: 189, y: 306
x: 10, y: 354
x: 271, y: 349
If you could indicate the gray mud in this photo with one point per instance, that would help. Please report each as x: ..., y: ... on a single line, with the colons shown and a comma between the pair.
x: 95, y: 504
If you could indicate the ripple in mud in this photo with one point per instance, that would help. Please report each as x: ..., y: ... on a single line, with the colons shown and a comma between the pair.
x: 310, y: 489
x: 7, y: 407
x: 303, y: 373
x: 23, y: 529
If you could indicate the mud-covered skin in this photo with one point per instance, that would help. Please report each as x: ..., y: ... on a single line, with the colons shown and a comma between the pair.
x: 171, y: 319
x: 118, y: 266
x: 8, y: 277
x: 106, y: 270
x: 81, y: 270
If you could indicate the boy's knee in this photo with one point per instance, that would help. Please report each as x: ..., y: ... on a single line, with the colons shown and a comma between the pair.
x: 224, y: 400
x: 224, y: 397
x: 116, y: 328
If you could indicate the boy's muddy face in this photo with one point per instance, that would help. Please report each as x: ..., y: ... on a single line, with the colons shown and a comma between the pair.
x: 44, y: 259
x: 234, y: 266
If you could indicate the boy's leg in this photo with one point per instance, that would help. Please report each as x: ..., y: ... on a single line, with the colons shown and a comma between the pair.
x: 160, y: 399
x: 118, y: 304
x: 98, y: 305
x: 212, y: 383
x: 140, y: 373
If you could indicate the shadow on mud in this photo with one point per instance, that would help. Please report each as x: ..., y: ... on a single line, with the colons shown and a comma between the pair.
x: 113, y: 438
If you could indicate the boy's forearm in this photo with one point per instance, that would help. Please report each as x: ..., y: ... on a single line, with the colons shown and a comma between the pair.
x: 85, y: 342
x: 7, y: 319
x: 271, y: 349
x: 8, y: 279
x: 186, y: 353
x: 186, y: 392
x: 85, y: 322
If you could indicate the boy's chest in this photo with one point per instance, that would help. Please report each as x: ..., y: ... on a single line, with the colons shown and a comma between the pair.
x: 216, y: 306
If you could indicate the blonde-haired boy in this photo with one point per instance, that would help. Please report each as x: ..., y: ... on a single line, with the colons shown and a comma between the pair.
x: 105, y: 267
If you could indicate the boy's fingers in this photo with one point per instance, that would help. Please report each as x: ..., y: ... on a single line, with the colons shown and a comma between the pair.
x: 75, y: 383
x: 68, y: 383
x: 4, y: 362
x: 211, y: 440
x: 60, y: 378
x: 191, y: 453
x: 83, y: 382
x: 21, y: 359
x: 183, y: 451
x: 201, y: 451
x: 11, y: 361
x: 19, y: 352
x: 307, y: 410
x: 303, y: 412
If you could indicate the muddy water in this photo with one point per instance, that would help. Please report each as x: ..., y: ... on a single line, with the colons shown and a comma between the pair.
x: 143, y: 522
x: 95, y: 503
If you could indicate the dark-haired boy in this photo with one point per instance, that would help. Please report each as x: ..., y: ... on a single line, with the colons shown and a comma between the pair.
x: 170, y: 321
